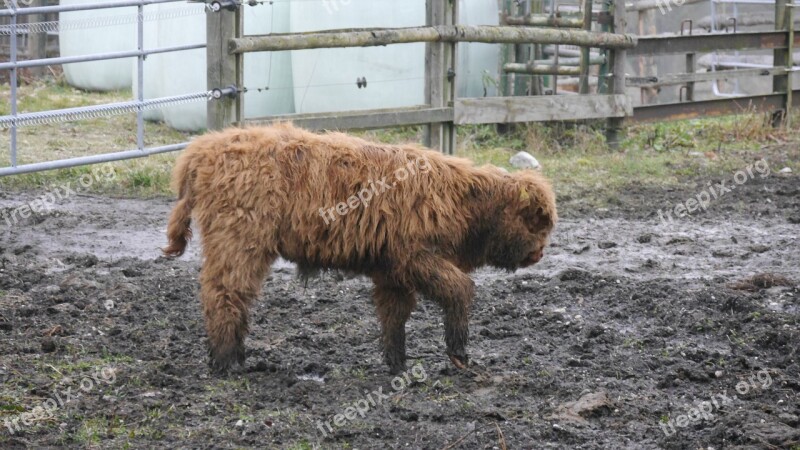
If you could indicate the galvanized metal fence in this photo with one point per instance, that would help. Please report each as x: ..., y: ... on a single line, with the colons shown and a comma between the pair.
x: 15, y: 120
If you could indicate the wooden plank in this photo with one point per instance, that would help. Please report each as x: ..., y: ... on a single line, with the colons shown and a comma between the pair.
x: 544, y: 20
x: 540, y: 108
x: 682, y: 78
x: 372, y: 37
x: 542, y: 69
x: 221, y: 67
x: 706, y: 43
x: 363, y: 120
x: 708, y: 108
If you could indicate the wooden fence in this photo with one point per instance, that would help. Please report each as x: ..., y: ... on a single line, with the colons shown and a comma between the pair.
x: 443, y: 110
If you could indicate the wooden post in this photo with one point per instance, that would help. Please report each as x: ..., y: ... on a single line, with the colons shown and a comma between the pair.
x: 691, y: 67
x: 522, y: 53
x: 223, y: 67
x: 440, y: 76
x: 602, y: 74
x: 782, y: 57
x: 507, y: 52
x: 537, y: 82
x: 587, y: 26
x: 647, y: 63
x: 614, y: 125
x: 37, y: 42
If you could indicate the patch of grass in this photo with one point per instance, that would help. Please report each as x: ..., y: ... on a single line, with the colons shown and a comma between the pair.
x: 302, y: 445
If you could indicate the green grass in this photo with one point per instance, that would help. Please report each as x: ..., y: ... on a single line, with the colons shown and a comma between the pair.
x: 575, y: 157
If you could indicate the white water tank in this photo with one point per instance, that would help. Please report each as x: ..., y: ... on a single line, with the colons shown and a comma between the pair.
x: 267, y: 76
x: 326, y: 79
x: 89, y: 32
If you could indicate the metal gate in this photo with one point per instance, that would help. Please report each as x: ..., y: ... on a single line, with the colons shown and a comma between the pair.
x: 15, y: 120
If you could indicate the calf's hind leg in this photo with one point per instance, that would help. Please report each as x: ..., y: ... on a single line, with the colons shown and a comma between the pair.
x: 229, y: 281
x: 394, y: 305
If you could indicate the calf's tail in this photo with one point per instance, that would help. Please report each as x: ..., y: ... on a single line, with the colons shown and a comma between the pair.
x: 178, y: 231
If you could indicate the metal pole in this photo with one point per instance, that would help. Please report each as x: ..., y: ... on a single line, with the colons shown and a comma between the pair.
x: 13, y: 81
x: 93, y: 159
x: 96, y: 57
x: 80, y: 7
x: 140, y: 78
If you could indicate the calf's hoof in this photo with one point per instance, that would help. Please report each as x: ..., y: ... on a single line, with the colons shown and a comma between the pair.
x: 220, y: 361
x: 397, y: 365
x: 460, y: 361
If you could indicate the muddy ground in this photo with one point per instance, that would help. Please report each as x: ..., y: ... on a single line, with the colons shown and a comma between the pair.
x: 631, y: 333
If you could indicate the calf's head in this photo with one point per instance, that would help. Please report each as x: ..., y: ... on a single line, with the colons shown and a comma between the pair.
x: 526, y: 216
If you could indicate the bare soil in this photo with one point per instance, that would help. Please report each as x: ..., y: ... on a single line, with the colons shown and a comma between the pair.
x: 625, y: 327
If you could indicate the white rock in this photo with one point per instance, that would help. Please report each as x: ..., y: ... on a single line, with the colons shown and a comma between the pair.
x: 109, y: 304
x: 239, y: 423
x: 785, y: 170
x: 524, y: 160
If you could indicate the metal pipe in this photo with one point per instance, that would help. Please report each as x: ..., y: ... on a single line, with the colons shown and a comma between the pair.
x: 140, y: 78
x: 13, y: 81
x: 95, y: 57
x: 93, y: 159
x: 81, y: 7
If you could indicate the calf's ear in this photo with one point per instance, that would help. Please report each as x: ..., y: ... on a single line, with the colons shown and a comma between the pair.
x: 524, y: 197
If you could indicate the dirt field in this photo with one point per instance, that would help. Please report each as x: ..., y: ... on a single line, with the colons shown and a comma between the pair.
x: 631, y: 333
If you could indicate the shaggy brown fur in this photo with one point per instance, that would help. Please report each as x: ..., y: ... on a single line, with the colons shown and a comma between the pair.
x: 260, y: 193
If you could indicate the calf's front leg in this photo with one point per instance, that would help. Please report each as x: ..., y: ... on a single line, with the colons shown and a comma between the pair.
x: 453, y: 290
